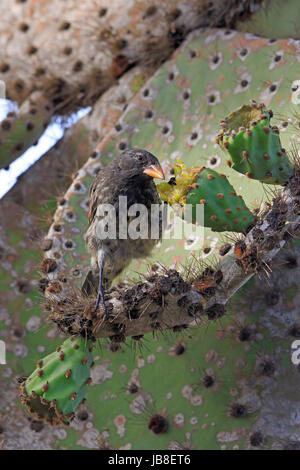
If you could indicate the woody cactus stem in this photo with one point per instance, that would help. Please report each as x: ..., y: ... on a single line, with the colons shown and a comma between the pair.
x: 19, y: 131
x: 167, y: 301
x: 44, y: 44
x: 57, y: 387
x: 254, y: 145
x: 223, y: 208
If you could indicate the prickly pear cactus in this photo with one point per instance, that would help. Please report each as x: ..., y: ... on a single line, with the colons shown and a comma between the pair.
x: 216, y: 395
x: 57, y: 387
x: 184, y: 123
x: 254, y: 145
x: 223, y: 382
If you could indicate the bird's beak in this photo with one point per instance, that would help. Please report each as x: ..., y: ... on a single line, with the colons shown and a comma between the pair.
x: 155, y: 171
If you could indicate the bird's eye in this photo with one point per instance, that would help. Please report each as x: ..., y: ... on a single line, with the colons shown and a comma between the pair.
x: 140, y: 157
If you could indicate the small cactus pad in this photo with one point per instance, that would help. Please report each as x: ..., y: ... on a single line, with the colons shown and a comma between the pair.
x: 57, y: 386
x: 254, y: 145
x: 223, y: 208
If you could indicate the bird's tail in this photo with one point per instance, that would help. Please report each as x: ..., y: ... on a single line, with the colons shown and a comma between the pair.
x: 90, y: 284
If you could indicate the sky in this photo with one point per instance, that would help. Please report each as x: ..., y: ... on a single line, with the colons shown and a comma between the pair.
x: 52, y: 134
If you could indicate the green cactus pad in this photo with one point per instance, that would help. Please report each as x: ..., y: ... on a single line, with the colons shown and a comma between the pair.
x: 57, y: 387
x: 254, y: 145
x: 224, y: 210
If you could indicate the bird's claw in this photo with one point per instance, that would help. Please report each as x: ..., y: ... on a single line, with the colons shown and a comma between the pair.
x: 104, y: 308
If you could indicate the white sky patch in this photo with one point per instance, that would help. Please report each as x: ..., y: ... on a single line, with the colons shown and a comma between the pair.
x: 52, y: 134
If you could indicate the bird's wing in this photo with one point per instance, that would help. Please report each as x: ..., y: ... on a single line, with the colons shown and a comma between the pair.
x: 100, y: 192
x: 93, y: 203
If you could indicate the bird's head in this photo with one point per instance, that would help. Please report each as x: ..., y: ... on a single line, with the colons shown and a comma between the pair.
x: 138, y: 162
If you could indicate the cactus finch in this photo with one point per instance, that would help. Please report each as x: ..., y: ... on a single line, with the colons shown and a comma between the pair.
x: 130, y: 175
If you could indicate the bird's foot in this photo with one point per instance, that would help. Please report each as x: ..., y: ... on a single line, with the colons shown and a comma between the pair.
x: 101, y: 297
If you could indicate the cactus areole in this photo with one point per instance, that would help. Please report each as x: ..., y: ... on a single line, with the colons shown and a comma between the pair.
x: 57, y: 387
x: 224, y: 210
x: 254, y: 145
